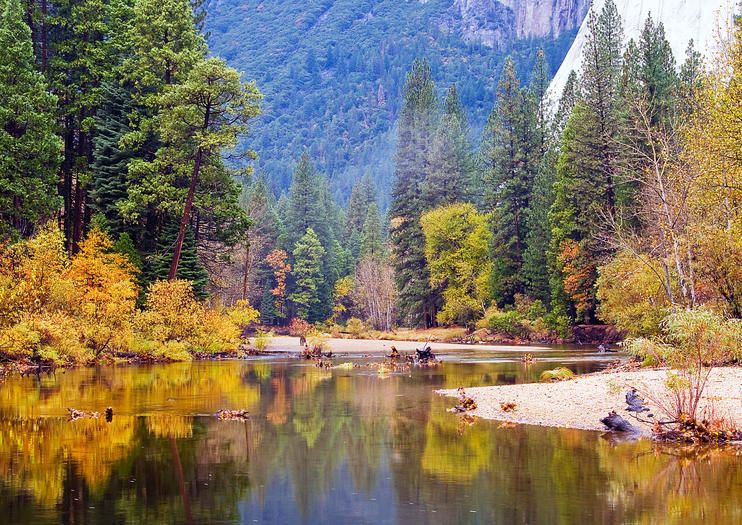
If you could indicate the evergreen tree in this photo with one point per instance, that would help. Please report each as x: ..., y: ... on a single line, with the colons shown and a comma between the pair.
x: 81, y: 59
x: 691, y: 77
x: 451, y: 164
x: 165, y: 46
x: 189, y: 267
x: 538, y: 239
x: 580, y: 200
x: 601, y: 69
x: 567, y: 102
x: 508, y: 153
x: 417, y: 124
x: 164, y: 49
x: 373, y: 239
x: 200, y: 119
x: 110, y: 167
x: 360, y: 198
x: 305, y: 206
x: 538, y: 90
x: 308, y: 254
x: 29, y: 149
x: 268, y: 311
x: 657, y: 74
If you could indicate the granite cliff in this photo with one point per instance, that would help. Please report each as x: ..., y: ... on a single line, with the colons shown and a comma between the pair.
x: 496, y: 23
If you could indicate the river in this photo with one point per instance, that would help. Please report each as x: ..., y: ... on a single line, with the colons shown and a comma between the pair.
x: 331, y: 446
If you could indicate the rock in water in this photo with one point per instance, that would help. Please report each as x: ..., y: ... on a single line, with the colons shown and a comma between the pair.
x: 634, y: 402
x: 616, y: 423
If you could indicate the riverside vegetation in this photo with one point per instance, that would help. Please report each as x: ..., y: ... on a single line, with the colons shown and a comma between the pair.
x: 621, y: 207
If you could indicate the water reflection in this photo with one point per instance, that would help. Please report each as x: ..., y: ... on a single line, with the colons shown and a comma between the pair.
x: 328, y: 446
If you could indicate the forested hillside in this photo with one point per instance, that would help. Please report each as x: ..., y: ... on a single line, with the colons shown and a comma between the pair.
x: 333, y: 71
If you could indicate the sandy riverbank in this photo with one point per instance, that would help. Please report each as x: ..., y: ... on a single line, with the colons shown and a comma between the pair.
x: 582, y: 402
x: 383, y: 346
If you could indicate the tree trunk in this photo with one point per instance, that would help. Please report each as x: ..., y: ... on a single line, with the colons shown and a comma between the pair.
x: 80, y: 194
x: 66, y: 183
x: 247, y: 268
x: 186, y: 216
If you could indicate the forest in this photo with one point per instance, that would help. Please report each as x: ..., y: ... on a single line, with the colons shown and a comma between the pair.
x: 133, y: 223
x: 333, y: 74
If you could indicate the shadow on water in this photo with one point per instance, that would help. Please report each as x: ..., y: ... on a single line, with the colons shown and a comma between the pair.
x: 330, y: 446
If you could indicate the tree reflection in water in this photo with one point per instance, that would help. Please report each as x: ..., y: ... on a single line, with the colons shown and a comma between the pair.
x: 326, y: 445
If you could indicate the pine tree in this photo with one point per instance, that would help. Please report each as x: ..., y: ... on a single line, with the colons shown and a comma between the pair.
x: 451, y: 164
x: 81, y: 59
x: 538, y: 239
x: 580, y: 199
x: 691, y: 75
x: 372, y: 243
x: 417, y: 124
x: 110, y: 167
x: 538, y: 90
x: 601, y: 69
x: 30, y: 151
x: 189, y: 267
x: 268, y: 311
x: 657, y: 74
x: 567, y: 102
x: 305, y: 205
x: 308, y: 254
x: 165, y: 47
x: 508, y: 154
x: 200, y: 119
x: 361, y: 197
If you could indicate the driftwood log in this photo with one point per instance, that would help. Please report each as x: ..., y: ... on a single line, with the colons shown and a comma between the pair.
x: 424, y: 354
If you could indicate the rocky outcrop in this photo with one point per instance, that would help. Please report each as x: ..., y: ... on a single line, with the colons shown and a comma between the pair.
x: 699, y: 20
x: 495, y: 23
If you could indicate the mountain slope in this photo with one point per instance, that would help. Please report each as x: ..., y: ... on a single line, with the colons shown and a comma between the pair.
x: 332, y: 71
x: 683, y: 20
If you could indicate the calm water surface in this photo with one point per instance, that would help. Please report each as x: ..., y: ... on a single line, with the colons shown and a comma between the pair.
x: 331, y: 446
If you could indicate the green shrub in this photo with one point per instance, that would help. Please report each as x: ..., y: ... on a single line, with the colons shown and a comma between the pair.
x: 536, y: 310
x: 355, y: 327
x: 262, y: 339
x: 557, y: 374
x: 509, y: 323
x: 560, y: 324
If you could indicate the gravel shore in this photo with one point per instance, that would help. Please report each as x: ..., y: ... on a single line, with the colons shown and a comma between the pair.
x: 583, y: 401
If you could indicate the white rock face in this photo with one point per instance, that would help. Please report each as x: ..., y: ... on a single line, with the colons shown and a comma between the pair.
x: 546, y: 17
x: 494, y: 23
x: 700, y: 20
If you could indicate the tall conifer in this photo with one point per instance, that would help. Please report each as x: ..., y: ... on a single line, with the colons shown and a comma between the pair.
x: 29, y: 149
x: 451, y: 164
x: 417, y: 124
x: 508, y: 155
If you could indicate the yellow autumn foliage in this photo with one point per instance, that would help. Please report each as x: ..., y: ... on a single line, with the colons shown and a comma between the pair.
x: 71, y: 309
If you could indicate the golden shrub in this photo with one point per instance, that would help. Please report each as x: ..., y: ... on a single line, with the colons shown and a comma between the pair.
x: 64, y: 309
x: 242, y: 314
x: 19, y: 341
x: 171, y: 311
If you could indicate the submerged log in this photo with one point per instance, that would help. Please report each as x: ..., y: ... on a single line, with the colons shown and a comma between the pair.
x: 616, y: 423
x: 424, y: 354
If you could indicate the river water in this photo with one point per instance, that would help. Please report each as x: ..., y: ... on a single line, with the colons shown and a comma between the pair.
x: 331, y: 446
